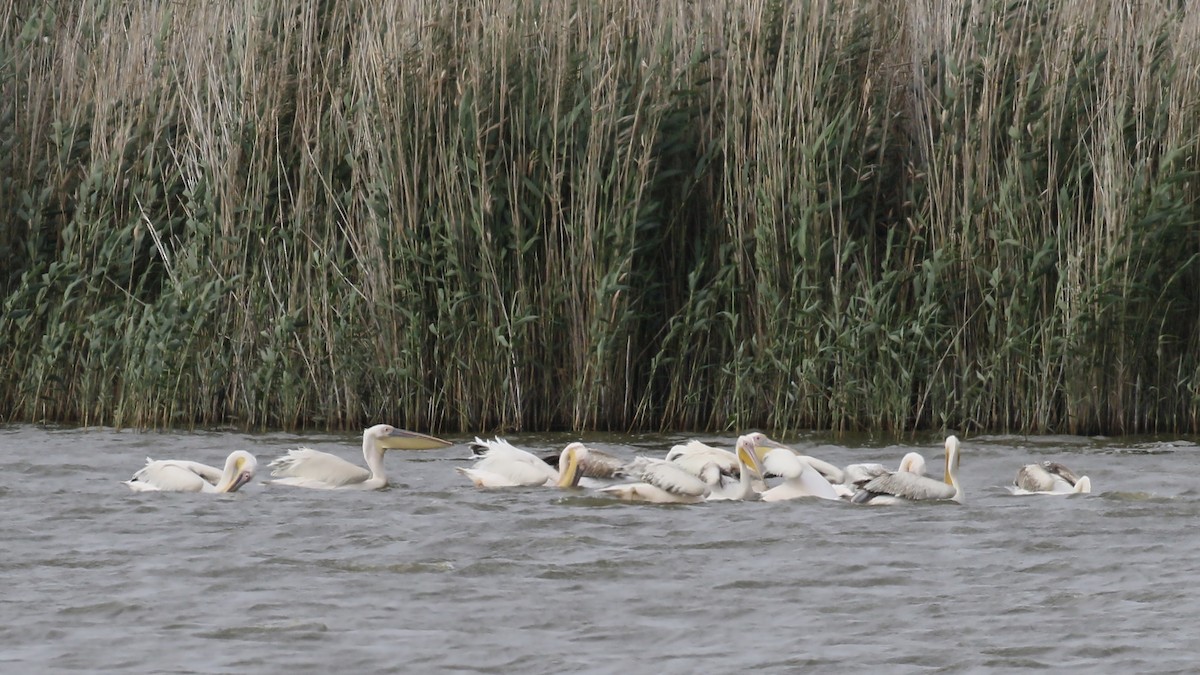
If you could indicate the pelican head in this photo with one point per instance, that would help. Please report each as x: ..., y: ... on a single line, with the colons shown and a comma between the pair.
x: 569, y: 463
x: 748, y: 447
x: 239, y: 470
x: 760, y: 444
x: 388, y: 437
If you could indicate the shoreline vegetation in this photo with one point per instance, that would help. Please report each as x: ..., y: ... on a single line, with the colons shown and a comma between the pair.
x: 503, y: 214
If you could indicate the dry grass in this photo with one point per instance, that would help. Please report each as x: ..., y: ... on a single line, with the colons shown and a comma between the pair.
x: 503, y: 214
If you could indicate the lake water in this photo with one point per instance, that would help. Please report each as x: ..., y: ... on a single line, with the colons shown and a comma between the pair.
x: 433, y: 575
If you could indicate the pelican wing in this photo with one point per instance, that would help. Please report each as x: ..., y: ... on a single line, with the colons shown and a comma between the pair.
x: 1034, y: 478
x: 673, y: 479
x: 694, y: 455
x: 501, y: 448
x: 799, y: 478
x: 600, y: 464
x: 486, y: 479
x: 861, y: 474
x: 306, y: 467
x: 505, y: 465
x: 1062, y: 472
x: 905, y: 485
x: 1049, y: 478
x: 830, y: 472
x: 595, y: 464
x: 518, y: 470
x: 209, y: 473
x: 692, y: 448
x: 647, y: 492
x: 173, y: 476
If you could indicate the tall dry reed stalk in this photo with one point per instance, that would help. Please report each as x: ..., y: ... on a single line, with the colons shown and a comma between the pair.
x: 506, y: 214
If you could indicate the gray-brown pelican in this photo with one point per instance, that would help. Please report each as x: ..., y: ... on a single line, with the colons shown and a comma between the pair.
x: 505, y: 465
x: 1049, y: 478
x: 904, y: 486
x: 596, y: 465
x: 179, y: 475
x: 310, y: 468
x: 662, y: 482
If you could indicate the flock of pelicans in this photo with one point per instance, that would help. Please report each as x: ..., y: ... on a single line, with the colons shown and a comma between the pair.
x: 690, y: 473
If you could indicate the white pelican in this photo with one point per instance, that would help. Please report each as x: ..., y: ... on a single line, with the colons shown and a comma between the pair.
x: 662, y: 482
x: 695, y: 455
x: 310, y: 468
x: 800, y: 479
x: 177, y: 475
x: 904, y: 486
x: 594, y: 464
x: 833, y: 474
x: 750, y: 469
x: 913, y: 462
x: 1049, y: 478
x: 505, y: 465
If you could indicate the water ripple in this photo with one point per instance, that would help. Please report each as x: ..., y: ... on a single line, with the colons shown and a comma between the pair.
x: 435, y: 576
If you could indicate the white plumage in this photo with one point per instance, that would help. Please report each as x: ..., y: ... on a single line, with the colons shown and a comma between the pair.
x: 800, y: 479
x: 305, y: 467
x: 178, y: 475
x: 661, y: 482
x: 505, y: 465
x: 905, y: 486
x: 750, y: 471
x: 693, y: 456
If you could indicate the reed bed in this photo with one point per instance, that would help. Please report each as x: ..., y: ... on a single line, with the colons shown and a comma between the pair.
x: 502, y: 214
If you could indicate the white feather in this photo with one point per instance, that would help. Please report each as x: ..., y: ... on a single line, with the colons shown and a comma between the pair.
x: 179, y: 475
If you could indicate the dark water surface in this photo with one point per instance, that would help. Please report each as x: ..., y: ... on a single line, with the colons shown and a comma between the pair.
x: 433, y: 575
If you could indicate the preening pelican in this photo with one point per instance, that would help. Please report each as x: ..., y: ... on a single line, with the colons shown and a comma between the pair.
x: 177, y: 475
x: 858, y: 475
x: 800, y: 479
x: 595, y: 464
x: 505, y: 465
x: 750, y: 469
x: 1049, y: 478
x: 310, y: 468
x: 904, y: 486
x: 662, y: 482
